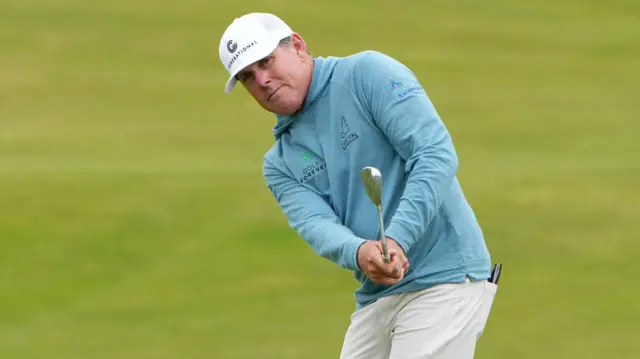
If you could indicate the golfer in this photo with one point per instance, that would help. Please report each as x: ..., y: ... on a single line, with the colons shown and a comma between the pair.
x: 336, y: 115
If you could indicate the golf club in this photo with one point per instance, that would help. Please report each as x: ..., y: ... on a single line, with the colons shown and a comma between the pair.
x: 372, y: 182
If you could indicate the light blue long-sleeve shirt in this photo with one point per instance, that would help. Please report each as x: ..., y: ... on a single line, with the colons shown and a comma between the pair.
x: 368, y: 109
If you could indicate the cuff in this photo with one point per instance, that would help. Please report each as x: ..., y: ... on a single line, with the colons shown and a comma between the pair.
x: 351, y: 253
x: 401, y: 235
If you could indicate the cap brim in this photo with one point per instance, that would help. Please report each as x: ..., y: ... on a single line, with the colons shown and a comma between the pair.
x: 230, y: 84
x: 257, y: 56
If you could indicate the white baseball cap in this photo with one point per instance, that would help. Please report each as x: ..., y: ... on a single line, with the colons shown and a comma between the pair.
x: 248, y: 39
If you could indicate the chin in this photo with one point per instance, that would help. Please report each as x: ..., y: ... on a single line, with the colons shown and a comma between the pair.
x: 286, y: 109
x: 283, y: 112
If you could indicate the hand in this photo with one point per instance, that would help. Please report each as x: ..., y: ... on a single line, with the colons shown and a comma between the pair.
x: 371, y: 263
x: 392, y: 245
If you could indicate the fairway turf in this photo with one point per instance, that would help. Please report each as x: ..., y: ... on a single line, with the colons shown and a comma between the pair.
x: 135, y: 224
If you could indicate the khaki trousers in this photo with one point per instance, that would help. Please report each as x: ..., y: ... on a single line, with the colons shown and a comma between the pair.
x: 441, y: 322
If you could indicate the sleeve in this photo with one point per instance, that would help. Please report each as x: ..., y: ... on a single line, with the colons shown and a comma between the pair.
x: 400, y: 107
x: 314, y: 219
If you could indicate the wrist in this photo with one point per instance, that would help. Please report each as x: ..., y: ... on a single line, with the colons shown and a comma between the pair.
x: 358, y: 267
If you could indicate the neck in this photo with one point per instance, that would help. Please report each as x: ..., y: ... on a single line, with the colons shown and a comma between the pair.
x: 308, y: 83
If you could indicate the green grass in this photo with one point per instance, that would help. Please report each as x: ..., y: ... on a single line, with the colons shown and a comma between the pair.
x: 134, y: 222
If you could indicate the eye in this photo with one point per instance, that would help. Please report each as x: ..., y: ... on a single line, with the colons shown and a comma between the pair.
x: 245, y: 77
x: 266, y: 61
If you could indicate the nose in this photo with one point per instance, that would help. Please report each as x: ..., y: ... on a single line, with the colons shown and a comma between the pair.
x: 262, y: 77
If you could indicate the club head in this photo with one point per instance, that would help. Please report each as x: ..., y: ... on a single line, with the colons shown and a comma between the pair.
x: 372, y: 182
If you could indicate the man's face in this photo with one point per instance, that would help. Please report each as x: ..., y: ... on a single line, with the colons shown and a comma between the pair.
x: 280, y: 81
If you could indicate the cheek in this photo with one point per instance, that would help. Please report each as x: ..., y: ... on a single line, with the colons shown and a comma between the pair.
x: 293, y: 92
x: 286, y: 73
x: 294, y: 80
x: 255, y: 91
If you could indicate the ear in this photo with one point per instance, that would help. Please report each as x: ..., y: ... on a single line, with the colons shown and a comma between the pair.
x: 297, y: 42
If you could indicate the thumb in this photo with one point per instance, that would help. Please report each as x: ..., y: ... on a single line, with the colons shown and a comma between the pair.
x: 390, y: 249
x: 378, y: 260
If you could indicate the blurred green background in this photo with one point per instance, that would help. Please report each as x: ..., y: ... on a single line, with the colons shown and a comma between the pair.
x: 134, y: 221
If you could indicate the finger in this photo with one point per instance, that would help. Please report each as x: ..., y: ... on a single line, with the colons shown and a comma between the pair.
x: 400, y: 273
x: 371, y: 270
x: 390, y: 250
x: 403, y: 263
x: 382, y: 263
x: 389, y: 258
x: 378, y: 261
x: 393, y: 270
x: 397, y: 264
x: 400, y: 267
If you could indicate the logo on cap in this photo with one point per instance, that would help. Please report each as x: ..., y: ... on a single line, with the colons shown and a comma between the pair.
x: 232, y: 46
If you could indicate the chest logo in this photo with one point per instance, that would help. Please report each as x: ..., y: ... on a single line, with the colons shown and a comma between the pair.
x: 394, y: 84
x: 312, y: 166
x: 346, y: 135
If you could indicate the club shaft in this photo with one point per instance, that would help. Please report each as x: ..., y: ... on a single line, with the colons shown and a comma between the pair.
x: 383, y: 237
